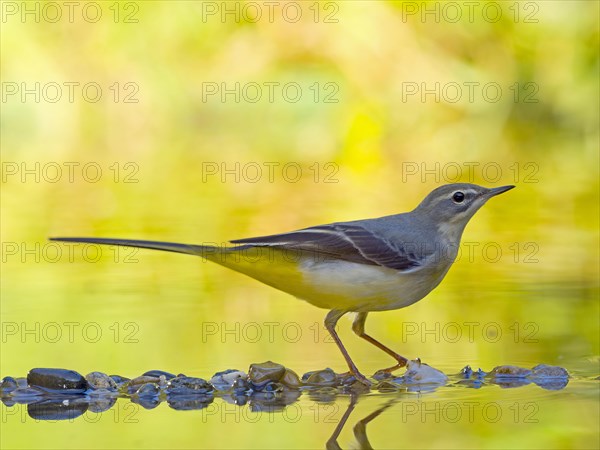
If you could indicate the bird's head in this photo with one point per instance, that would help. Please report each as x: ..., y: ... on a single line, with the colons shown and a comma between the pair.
x: 451, y: 206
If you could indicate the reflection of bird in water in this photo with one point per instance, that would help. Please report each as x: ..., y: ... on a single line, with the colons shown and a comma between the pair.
x: 360, y: 429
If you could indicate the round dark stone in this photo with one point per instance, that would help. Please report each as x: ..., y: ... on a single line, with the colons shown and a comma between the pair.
x: 57, y: 379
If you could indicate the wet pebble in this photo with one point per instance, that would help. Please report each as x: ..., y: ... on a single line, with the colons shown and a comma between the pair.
x: 100, y: 381
x: 419, y: 373
x: 148, y: 390
x: 132, y: 386
x: 272, y: 377
x: 119, y: 380
x: 509, y: 372
x: 241, y: 386
x: 546, y: 371
x: 267, y: 386
x: 349, y: 381
x: 228, y: 379
x: 509, y: 376
x: 469, y: 374
x: 290, y: 379
x: 325, y: 377
x: 470, y: 378
x: 8, y: 385
x: 26, y: 394
x: 381, y: 375
x: 57, y: 380
x: 188, y: 386
x: 552, y: 378
x: 387, y: 386
x: 158, y: 373
x: 268, y: 371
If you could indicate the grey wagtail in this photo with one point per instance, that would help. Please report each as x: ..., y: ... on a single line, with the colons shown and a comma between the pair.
x: 359, y: 266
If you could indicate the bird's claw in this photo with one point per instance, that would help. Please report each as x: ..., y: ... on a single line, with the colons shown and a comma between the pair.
x: 350, y: 378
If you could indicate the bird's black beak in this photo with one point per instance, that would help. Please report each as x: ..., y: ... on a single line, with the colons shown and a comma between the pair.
x: 499, y: 190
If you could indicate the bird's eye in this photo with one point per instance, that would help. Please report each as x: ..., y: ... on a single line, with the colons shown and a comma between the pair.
x: 458, y: 197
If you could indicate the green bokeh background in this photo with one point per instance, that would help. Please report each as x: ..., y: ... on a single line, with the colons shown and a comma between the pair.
x: 357, y: 156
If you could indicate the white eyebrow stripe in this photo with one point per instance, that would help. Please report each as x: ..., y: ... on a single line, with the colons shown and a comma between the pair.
x: 466, y: 191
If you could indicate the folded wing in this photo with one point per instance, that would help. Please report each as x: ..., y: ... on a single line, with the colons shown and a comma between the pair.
x: 347, y: 242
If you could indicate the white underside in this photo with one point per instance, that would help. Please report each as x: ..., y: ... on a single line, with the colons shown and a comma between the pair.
x: 360, y: 287
x: 338, y: 284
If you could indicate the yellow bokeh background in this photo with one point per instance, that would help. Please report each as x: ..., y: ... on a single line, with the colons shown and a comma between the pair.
x: 393, y: 103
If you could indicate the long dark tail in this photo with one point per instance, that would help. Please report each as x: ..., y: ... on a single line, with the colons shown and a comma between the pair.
x: 197, y: 250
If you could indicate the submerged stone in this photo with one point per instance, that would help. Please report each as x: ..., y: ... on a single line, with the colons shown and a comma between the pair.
x: 546, y: 371
x: 468, y: 373
x: 470, y: 378
x: 509, y: 372
x: 509, y: 376
x: 553, y: 378
x: 99, y: 380
x: 57, y: 380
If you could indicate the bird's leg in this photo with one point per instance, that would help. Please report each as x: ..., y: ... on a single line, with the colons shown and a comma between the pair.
x: 331, y: 320
x: 358, y: 326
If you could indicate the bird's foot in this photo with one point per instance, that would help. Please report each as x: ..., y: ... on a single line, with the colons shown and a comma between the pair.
x: 384, y: 374
x: 350, y: 378
x: 363, y: 380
